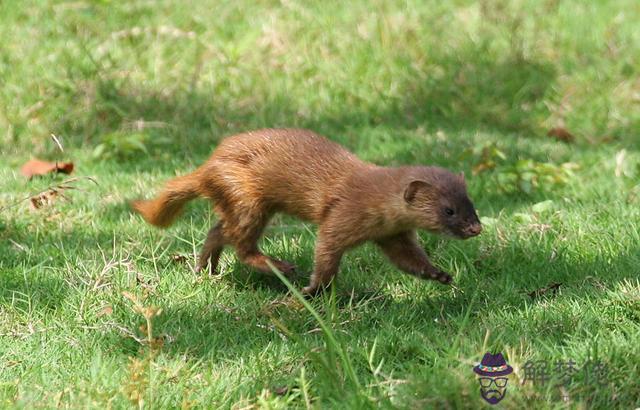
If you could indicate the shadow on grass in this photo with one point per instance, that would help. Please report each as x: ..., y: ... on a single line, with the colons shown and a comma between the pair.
x: 24, y: 282
x: 27, y: 292
x: 498, y: 95
x: 499, y: 285
x: 472, y: 91
x: 495, y: 281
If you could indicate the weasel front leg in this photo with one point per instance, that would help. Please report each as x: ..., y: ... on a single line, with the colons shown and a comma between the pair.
x: 404, y: 251
x: 328, y: 253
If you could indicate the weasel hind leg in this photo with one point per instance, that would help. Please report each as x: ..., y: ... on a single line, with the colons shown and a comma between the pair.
x: 244, y: 234
x: 211, y: 249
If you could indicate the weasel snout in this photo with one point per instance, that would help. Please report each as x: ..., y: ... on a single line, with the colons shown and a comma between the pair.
x: 472, y: 230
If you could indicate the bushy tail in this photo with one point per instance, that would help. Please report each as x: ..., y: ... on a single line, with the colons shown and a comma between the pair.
x: 162, y: 210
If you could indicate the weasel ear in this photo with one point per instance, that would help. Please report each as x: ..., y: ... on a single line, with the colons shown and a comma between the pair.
x: 414, y: 187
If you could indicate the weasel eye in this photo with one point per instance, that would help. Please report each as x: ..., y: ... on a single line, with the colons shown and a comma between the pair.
x: 449, y: 211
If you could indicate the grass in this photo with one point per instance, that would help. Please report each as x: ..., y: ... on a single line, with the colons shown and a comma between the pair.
x: 99, y: 310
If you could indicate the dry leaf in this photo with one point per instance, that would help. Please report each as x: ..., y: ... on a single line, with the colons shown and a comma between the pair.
x: 178, y: 258
x: 44, y: 199
x: 561, y: 134
x: 105, y: 311
x: 281, y: 390
x: 49, y: 196
x: 483, y: 166
x: 553, y: 288
x: 131, y: 297
x: 35, y: 167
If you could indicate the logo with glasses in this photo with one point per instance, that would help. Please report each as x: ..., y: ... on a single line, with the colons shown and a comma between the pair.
x: 493, y: 372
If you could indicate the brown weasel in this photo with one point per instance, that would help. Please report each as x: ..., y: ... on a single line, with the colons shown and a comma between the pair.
x: 252, y: 175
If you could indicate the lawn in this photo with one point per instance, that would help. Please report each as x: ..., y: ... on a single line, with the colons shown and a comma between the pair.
x: 100, y: 310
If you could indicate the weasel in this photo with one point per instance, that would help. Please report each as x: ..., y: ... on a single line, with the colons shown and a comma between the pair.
x: 251, y: 176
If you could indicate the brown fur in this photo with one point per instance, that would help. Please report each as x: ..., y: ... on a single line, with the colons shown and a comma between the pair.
x: 251, y: 176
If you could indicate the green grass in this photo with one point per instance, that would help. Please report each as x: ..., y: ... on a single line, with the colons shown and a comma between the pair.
x: 410, y: 82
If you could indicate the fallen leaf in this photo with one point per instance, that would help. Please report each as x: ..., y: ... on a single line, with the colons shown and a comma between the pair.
x: 488, y: 157
x: 553, y: 288
x: 281, y: 390
x: 483, y: 166
x: 44, y: 199
x: 51, y: 194
x: 561, y: 134
x: 131, y: 297
x: 179, y: 258
x: 35, y: 167
x: 105, y: 311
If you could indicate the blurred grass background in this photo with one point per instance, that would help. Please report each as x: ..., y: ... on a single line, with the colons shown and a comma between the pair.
x: 139, y: 91
x: 201, y: 69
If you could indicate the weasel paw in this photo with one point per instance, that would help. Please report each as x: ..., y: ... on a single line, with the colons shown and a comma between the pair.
x: 311, y: 291
x: 440, y: 276
x: 288, y: 269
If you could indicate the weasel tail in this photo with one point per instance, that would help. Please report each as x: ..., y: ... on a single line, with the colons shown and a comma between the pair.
x: 163, y: 209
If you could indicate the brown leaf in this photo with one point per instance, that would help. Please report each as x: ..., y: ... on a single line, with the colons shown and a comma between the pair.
x: 105, y: 311
x: 281, y: 390
x: 35, y: 167
x: 179, y: 258
x: 131, y: 297
x: 44, y: 199
x: 483, y: 166
x: 561, y: 134
x: 553, y: 288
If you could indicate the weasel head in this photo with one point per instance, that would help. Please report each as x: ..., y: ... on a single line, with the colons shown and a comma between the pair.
x: 437, y: 200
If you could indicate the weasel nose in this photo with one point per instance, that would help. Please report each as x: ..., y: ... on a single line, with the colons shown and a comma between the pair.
x: 475, y: 229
